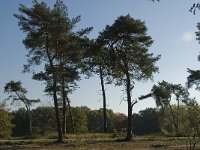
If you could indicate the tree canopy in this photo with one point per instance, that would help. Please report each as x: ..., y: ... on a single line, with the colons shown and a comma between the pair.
x: 51, y: 42
x: 126, y: 44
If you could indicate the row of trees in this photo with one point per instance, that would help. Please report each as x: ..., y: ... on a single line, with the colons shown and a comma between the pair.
x: 16, y: 123
x: 146, y: 122
x: 44, y: 121
x: 119, y: 55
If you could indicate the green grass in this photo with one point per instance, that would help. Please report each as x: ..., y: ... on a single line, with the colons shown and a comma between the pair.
x: 93, y: 141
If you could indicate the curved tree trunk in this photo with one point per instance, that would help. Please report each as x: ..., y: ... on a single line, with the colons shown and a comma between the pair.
x: 104, y: 100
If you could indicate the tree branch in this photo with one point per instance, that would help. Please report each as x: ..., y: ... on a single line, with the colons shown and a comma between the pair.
x: 145, y: 96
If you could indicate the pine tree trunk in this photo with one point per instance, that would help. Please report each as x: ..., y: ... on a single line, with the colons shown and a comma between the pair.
x: 177, y: 116
x: 174, y: 119
x: 30, y: 128
x: 64, y: 110
x: 59, y: 127
x: 128, y: 91
x: 104, y: 100
x: 70, y: 114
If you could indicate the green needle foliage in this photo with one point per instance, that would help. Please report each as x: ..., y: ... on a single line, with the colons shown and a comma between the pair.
x: 126, y: 46
x: 51, y: 42
x: 194, y: 77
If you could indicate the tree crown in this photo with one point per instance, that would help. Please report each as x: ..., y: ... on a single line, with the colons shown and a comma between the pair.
x: 126, y: 44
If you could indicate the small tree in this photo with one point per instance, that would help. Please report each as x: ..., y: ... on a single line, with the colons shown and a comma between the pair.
x: 192, y: 125
x: 5, y: 123
x: 163, y: 93
x: 80, y: 120
x: 18, y: 93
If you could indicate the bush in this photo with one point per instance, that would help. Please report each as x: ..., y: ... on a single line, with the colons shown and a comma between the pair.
x: 5, y: 124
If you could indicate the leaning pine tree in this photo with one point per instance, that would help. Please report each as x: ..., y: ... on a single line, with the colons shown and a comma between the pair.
x: 18, y: 93
x: 128, y: 59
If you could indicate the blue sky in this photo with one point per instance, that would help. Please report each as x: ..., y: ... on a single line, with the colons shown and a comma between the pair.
x: 169, y: 23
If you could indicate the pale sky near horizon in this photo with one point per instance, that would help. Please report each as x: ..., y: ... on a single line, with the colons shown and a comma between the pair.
x: 169, y: 23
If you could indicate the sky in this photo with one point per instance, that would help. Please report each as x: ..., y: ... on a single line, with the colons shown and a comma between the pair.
x: 169, y: 23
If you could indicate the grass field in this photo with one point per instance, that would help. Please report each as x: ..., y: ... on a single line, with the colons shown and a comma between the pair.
x: 96, y: 142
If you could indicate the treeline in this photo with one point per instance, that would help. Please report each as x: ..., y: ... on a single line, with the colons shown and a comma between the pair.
x: 85, y: 120
x: 16, y: 123
x: 147, y: 122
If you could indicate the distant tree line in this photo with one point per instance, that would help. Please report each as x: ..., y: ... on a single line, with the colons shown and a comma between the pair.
x: 146, y: 122
x: 44, y: 121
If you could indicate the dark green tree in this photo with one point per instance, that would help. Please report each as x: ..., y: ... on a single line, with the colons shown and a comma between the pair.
x: 39, y: 23
x: 115, y: 121
x: 44, y: 120
x: 146, y: 122
x: 20, y: 122
x: 18, y: 93
x: 127, y: 43
x: 95, y: 121
x: 51, y: 41
x: 80, y: 120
